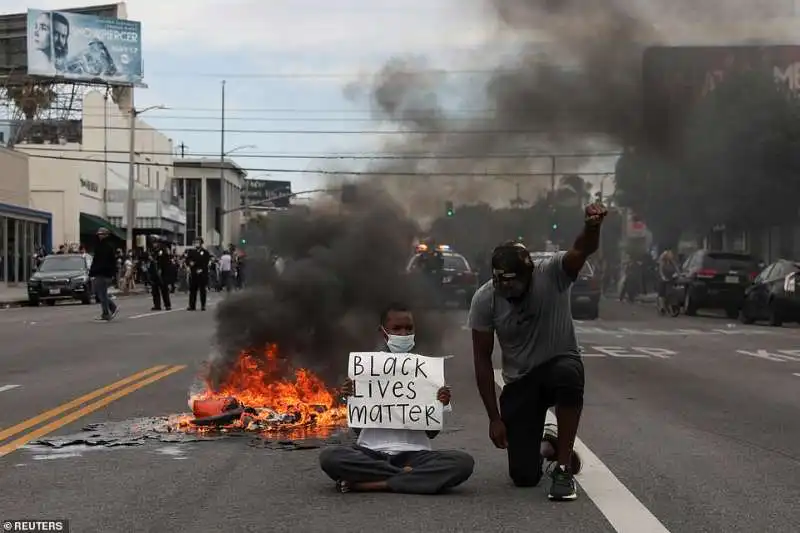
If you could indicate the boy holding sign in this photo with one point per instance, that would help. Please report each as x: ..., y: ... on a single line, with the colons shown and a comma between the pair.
x: 395, y: 405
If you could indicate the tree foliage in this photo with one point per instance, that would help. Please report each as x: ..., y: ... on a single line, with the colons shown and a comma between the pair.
x: 475, y: 230
x: 737, y: 163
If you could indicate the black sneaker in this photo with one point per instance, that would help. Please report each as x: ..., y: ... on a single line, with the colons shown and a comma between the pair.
x: 114, y: 314
x: 563, y: 486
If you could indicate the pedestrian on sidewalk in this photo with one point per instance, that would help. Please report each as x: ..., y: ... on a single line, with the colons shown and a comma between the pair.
x: 527, y: 306
x: 102, y: 271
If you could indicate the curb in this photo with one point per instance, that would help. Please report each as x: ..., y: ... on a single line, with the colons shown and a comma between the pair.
x: 23, y: 302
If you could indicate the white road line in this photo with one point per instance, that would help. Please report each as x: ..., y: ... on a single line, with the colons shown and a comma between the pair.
x: 624, y: 512
x: 152, y: 313
x: 797, y: 374
x: 210, y: 306
x: 4, y: 388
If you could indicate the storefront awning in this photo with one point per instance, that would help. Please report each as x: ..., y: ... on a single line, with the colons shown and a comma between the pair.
x: 91, y: 223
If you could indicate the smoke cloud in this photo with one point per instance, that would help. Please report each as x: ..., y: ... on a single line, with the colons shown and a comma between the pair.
x: 343, y: 265
x: 572, y: 84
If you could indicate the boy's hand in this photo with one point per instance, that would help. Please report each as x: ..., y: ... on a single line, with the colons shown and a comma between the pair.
x: 347, y: 387
x: 444, y: 395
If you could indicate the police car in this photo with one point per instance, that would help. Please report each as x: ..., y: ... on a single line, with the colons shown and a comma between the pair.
x: 448, y: 270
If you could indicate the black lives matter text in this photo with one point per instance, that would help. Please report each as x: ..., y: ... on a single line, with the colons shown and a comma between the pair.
x: 395, y: 391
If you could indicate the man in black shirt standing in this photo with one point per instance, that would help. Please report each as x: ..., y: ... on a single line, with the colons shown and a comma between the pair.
x: 198, y: 259
x: 102, y: 271
x: 160, y: 265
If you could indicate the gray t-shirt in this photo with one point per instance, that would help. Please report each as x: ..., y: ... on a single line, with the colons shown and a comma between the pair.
x: 535, y: 330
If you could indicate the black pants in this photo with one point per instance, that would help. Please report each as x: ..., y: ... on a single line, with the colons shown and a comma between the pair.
x: 432, y: 471
x: 198, y: 282
x: 523, y: 407
x: 160, y: 291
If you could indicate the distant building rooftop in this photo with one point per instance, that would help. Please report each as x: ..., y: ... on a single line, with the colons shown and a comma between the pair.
x: 208, y: 162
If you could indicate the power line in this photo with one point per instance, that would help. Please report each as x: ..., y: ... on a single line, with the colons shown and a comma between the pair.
x: 299, y: 119
x: 332, y: 75
x: 354, y: 156
x: 339, y: 132
x: 342, y: 172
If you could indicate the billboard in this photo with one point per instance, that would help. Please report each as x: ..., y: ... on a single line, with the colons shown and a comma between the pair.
x: 255, y: 191
x: 675, y: 79
x: 84, y: 47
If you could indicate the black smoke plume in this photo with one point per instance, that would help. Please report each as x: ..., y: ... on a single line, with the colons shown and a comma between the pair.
x: 342, y: 265
x: 572, y: 82
x: 569, y: 82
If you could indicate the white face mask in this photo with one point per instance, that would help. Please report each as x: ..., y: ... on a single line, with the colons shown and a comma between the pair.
x: 399, y: 343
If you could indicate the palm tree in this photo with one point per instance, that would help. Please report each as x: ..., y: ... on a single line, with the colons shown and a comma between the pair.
x: 30, y: 98
x: 575, y: 188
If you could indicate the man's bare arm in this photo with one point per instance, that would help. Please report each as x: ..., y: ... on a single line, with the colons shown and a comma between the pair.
x: 482, y: 347
x: 585, y: 245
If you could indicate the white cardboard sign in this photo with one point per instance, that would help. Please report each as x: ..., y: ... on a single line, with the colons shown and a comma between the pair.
x: 395, y: 391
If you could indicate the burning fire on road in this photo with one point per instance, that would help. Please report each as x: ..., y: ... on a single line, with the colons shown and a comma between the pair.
x: 255, y: 398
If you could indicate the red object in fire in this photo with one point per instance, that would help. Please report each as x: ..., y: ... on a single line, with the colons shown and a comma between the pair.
x: 214, y: 406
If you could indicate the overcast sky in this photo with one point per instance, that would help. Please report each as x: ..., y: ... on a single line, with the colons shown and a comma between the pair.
x: 286, y: 63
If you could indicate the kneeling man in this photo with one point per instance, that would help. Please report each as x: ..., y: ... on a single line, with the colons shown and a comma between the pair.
x: 396, y: 460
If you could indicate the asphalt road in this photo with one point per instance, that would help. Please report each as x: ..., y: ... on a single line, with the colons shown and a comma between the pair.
x: 691, y: 425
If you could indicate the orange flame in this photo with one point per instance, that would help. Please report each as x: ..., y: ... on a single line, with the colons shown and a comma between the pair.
x: 304, y: 404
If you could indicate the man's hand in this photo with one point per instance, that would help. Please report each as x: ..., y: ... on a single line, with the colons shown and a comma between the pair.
x: 497, y: 432
x: 347, y: 387
x: 595, y: 213
x: 444, y: 395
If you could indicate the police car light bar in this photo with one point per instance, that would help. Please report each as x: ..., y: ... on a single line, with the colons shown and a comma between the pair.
x: 443, y: 248
x: 422, y: 247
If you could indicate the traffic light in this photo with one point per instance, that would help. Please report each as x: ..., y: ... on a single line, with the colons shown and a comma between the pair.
x: 555, y: 226
x: 448, y: 208
x: 244, y: 241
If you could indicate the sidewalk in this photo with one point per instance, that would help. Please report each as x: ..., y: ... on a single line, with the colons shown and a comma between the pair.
x: 18, y: 296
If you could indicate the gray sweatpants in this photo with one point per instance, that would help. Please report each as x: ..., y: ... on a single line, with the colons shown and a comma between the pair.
x: 431, y: 472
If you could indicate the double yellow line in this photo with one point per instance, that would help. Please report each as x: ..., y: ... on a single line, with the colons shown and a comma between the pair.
x: 119, y: 389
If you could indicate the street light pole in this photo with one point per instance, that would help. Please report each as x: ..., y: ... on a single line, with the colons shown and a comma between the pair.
x: 131, y: 179
x: 222, y: 167
x: 131, y: 205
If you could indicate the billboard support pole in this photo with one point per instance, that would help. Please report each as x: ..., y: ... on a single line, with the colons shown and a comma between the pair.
x: 222, y: 167
x: 131, y: 178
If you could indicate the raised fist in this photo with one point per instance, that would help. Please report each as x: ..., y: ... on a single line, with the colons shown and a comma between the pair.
x: 595, y: 213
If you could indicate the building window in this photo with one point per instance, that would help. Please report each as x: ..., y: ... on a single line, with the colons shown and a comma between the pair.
x: 148, y: 177
x: 158, y: 180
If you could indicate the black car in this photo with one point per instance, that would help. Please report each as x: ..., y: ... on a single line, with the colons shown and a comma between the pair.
x: 456, y: 280
x: 774, y: 295
x: 717, y: 280
x: 585, y: 292
x: 61, y: 277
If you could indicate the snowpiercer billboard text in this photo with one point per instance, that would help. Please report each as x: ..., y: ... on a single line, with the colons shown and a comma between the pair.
x: 84, y: 48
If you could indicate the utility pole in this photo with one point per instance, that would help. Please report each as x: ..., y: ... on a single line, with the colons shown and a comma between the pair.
x: 222, y: 167
x: 182, y: 147
x: 131, y: 178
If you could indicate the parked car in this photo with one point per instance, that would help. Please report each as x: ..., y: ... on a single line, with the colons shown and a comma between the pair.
x: 717, y: 280
x: 774, y: 295
x: 585, y: 292
x: 61, y: 277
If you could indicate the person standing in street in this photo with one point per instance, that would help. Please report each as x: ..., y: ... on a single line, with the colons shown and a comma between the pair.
x: 527, y: 306
x: 102, y: 271
x: 160, y: 265
x: 226, y: 270
x: 197, y: 260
